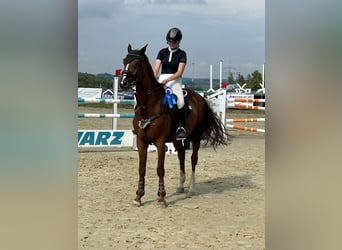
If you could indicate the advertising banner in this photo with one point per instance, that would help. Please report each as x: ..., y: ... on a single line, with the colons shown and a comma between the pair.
x: 105, y: 138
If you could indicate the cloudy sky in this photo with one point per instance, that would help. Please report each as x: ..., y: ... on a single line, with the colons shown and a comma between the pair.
x: 229, y: 30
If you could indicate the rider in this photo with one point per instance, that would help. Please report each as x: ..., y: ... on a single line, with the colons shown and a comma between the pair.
x: 172, y: 61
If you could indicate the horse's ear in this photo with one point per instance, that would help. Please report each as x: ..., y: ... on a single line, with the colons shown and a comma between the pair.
x: 129, y: 47
x: 143, y: 49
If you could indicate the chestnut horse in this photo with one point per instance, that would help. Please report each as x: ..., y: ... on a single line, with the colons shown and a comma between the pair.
x: 154, y: 122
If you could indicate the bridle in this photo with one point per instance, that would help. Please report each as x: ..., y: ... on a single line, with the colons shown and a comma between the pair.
x: 131, y: 77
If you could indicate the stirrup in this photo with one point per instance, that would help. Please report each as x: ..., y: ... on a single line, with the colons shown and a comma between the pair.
x: 180, y: 133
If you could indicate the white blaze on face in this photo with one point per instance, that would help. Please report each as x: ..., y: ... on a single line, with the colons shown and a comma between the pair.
x: 124, y: 75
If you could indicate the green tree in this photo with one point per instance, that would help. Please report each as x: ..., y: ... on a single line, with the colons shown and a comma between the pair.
x: 86, y: 80
x: 240, y: 79
x: 230, y: 79
x: 248, y: 77
x: 255, y: 80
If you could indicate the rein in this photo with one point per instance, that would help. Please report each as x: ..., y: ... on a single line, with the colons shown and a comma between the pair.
x: 149, y: 91
x: 143, y: 122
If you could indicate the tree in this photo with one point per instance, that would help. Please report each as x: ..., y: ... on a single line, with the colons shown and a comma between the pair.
x: 240, y: 79
x: 255, y: 80
x: 248, y: 77
x: 87, y: 80
x: 230, y: 79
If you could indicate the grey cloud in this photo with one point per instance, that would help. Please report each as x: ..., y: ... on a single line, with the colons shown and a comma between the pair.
x: 180, y: 1
x: 100, y: 9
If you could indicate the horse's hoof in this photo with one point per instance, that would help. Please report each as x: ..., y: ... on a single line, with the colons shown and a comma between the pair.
x: 162, y: 204
x: 180, y: 190
x: 136, y: 203
x: 191, y: 193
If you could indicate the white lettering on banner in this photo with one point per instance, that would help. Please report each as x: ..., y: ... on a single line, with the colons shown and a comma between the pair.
x: 90, y: 92
x: 241, y: 95
x: 105, y: 138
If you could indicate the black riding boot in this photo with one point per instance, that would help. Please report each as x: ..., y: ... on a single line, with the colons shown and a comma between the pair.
x: 180, y: 132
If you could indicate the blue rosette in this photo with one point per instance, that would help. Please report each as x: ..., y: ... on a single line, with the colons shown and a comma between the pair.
x: 169, y: 98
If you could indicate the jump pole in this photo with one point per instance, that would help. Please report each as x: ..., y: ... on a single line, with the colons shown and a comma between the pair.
x: 89, y: 115
x: 245, y: 100
x: 115, y: 97
x: 242, y: 106
x: 104, y: 100
x: 246, y: 120
x: 246, y: 128
x: 211, y: 79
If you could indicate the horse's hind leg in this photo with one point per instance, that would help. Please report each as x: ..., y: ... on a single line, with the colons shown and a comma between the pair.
x: 194, y: 159
x: 181, y: 156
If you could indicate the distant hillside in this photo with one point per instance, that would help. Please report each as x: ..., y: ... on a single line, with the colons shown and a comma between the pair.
x: 105, y: 81
x: 106, y: 76
x: 86, y: 80
x: 200, y: 84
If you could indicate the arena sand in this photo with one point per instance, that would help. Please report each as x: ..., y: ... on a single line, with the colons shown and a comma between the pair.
x: 227, y: 212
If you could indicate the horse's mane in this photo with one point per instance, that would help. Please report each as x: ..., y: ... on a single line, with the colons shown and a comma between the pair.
x: 149, y: 69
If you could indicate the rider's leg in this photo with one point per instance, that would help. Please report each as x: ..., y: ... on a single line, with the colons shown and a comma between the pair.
x: 180, y: 132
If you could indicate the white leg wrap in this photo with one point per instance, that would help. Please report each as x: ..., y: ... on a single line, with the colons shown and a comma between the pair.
x: 181, y: 179
x: 192, y: 182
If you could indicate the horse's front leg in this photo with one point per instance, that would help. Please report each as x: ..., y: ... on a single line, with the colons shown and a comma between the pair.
x: 142, y: 148
x: 194, y: 159
x: 161, y: 172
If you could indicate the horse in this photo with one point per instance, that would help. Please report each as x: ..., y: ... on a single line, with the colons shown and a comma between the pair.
x: 154, y: 123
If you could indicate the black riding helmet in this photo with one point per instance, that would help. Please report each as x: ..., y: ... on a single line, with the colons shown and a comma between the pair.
x: 174, y: 35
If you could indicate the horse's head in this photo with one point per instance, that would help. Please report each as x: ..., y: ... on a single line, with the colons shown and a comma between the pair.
x: 133, y: 66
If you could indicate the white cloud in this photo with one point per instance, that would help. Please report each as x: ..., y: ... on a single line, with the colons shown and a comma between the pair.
x: 99, y: 9
x: 198, y: 7
x: 249, y: 66
x: 164, y: 2
x: 232, y: 30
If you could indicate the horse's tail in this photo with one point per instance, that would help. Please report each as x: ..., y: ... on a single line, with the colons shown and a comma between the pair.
x: 214, y: 132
